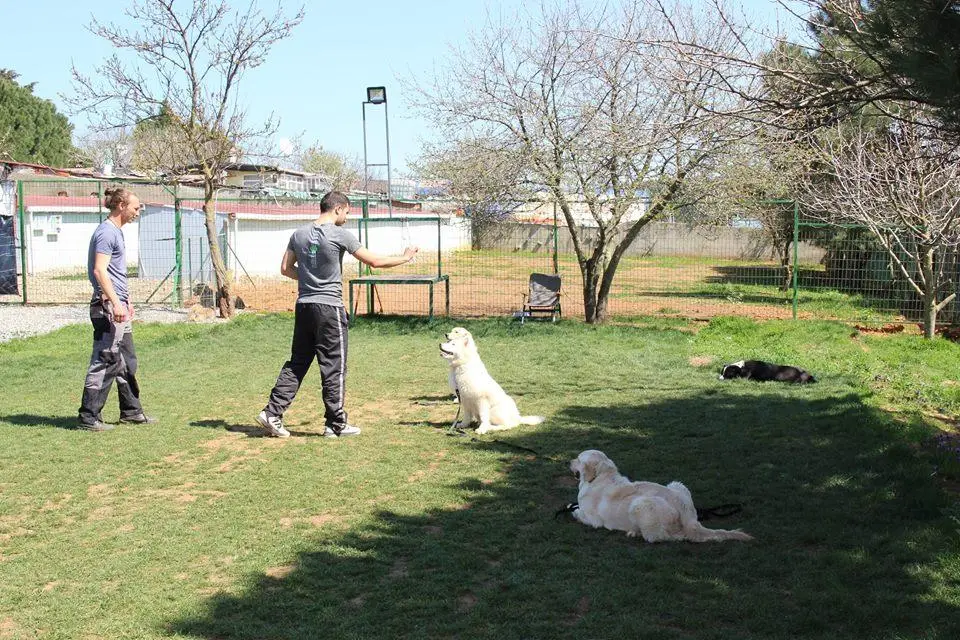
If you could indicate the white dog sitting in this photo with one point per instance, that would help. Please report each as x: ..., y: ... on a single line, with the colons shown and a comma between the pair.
x: 482, y: 400
x: 458, y: 333
x: 655, y: 512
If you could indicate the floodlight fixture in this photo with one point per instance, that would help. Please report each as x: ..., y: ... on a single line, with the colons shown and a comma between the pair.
x: 376, y: 95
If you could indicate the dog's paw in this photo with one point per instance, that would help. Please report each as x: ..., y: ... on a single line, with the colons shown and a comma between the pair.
x: 484, y: 428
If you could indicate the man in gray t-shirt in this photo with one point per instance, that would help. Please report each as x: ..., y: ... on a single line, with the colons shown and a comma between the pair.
x: 107, y: 240
x: 314, y: 258
x: 319, y: 249
x: 114, y: 356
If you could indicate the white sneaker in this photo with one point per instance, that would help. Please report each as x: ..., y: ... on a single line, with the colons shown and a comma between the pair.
x: 345, y: 430
x: 273, y: 425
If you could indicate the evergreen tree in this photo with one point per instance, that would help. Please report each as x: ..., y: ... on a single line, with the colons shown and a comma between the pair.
x: 31, y: 129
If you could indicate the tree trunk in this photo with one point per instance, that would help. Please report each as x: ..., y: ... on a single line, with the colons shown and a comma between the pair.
x: 224, y: 293
x: 787, y: 264
x: 593, y: 311
x: 476, y: 233
x: 929, y: 294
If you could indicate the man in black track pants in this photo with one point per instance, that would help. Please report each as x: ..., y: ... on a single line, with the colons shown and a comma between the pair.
x: 314, y: 259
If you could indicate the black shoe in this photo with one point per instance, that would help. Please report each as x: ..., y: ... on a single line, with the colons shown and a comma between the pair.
x: 94, y: 426
x: 140, y: 418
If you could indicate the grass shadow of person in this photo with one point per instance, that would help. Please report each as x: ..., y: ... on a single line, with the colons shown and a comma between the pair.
x: 251, y: 431
x: 33, y: 420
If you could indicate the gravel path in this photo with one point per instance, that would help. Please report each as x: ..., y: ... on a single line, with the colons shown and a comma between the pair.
x: 17, y: 321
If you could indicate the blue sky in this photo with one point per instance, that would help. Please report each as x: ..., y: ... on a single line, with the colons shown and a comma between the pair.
x: 314, y: 82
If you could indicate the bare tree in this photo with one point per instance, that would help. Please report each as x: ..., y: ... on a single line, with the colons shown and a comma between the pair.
x: 186, y: 61
x: 601, y: 110
x: 113, y: 147
x: 758, y: 181
x: 904, y: 186
x: 341, y: 170
x: 484, y: 180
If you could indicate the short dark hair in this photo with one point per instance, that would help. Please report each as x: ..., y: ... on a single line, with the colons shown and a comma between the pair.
x: 333, y: 200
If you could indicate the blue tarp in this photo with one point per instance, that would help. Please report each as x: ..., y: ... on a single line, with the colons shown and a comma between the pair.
x: 158, y: 243
x: 8, y: 257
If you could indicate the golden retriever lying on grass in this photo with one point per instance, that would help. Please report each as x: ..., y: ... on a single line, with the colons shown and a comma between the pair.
x: 482, y: 400
x: 655, y: 512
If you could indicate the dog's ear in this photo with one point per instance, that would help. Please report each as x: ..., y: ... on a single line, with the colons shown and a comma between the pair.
x: 589, y: 471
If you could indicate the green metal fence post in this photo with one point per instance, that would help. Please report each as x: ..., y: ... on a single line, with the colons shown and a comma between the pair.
x: 439, y: 258
x: 796, y: 256
x: 366, y: 243
x: 360, y: 235
x: 23, y: 239
x: 100, y: 200
x: 178, y: 251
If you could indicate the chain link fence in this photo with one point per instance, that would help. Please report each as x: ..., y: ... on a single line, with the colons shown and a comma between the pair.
x: 805, y: 270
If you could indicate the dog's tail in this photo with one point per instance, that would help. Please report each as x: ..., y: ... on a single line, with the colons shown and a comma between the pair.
x: 696, y: 532
x: 531, y: 419
x: 692, y: 529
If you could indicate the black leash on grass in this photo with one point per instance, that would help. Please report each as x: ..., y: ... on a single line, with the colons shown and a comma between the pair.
x: 454, y: 429
x: 568, y: 508
x: 705, y: 513
x: 719, y: 511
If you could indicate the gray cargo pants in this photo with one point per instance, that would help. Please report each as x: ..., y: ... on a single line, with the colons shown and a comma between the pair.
x: 114, y: 358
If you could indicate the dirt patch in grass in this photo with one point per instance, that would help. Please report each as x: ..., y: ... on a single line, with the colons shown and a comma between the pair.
x: 99, y: 490
x: 700, y: 361
x: 466, y: 602
x: 357, y: 602
x: 239, y: 450
x: 399, y: 569
x: 9, y: 629
x: 186, y: 494
x: 581, y: 609
x: 324, y: 519
x: 316, y: 521
x: 278, y: 573
x: 885, y: 329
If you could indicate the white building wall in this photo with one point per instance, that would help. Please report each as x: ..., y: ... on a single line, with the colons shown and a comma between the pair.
x: 260, y: 242
x: 58, y: 240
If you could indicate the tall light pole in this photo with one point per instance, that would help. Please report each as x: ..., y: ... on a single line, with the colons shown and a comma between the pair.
x: 377, y: 95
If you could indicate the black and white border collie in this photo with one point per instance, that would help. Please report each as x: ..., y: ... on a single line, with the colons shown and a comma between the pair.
x: 764, y: 371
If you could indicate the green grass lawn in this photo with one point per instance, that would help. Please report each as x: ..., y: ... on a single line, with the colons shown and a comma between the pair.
x: 198, y: 528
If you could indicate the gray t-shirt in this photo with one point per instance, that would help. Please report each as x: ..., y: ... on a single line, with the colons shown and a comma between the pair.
x: 319, y: 249
x: 108, y: 240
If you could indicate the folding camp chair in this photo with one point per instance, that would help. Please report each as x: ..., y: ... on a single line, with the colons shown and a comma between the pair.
x: 543, y: 298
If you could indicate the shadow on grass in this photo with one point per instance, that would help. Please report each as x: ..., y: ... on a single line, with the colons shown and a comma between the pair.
x: 31, y: 420
x: 251, y: 431
x: 441, y: 399
x: 850, y: 540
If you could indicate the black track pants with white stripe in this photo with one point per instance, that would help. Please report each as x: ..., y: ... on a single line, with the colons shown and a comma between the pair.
x: 319, y: 331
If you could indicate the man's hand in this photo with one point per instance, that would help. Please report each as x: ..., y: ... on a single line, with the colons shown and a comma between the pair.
x: 130, y: 307
x: 410, y: 252
x: 119, y: 311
